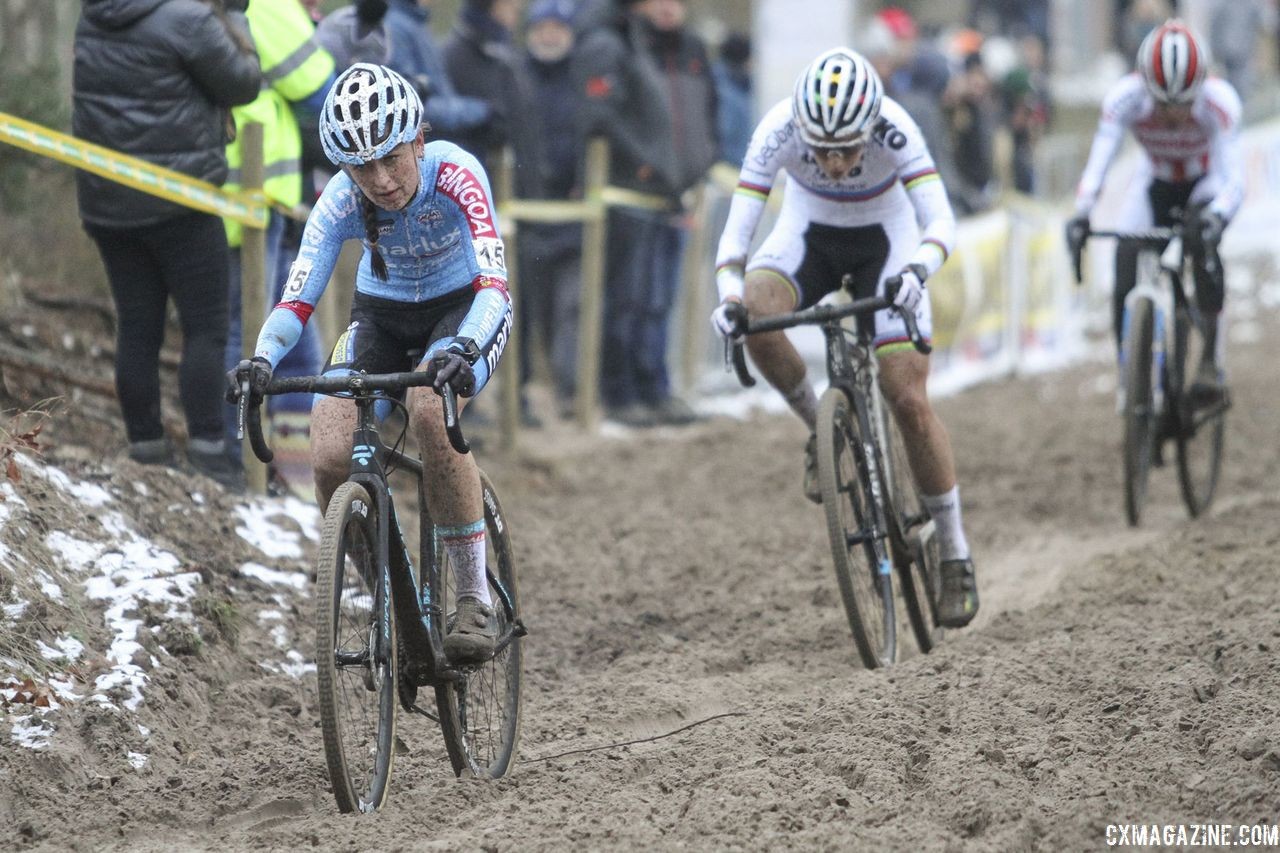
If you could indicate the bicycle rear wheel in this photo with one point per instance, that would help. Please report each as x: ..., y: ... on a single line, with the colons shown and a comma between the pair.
x: 480, y: 714
x: 861, y: 559
x: 914, y: 548
x: 1200, y: 430
x: 1139, y: 409
x: 355, y: 653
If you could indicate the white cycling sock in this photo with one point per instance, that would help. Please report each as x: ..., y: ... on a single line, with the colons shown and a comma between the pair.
x: 464, y: 543
x: 804, y: 403
x: 945, y: 511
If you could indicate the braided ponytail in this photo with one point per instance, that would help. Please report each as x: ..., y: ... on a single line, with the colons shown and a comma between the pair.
x: 370, y: 213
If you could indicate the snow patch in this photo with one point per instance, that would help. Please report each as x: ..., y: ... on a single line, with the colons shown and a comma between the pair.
x: 275, y: 577
x: 31, y: 731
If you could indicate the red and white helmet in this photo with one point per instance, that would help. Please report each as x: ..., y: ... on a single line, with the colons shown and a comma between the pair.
x: 837, y: 99
x: 1173, y: 63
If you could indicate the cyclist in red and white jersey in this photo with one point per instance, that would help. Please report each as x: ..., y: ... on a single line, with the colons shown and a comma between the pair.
x: 1188, y: 127
x: 862, y: 197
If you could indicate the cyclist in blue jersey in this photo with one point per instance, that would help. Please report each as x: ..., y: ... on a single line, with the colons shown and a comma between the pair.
x: 432, y: 277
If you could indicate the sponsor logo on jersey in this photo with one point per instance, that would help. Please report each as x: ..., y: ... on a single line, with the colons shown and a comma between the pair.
x: 887, y: 133
x: 499, y: 344
x: 431, y: 216
x: 425, y: 245
x: 385, y: 226
x: 468, y: 193
x: 298, y: 275
x: 774, y: 142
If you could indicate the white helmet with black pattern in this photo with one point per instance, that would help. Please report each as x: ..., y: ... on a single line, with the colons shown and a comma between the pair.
x: 837, y: 99
x: 369, y: 110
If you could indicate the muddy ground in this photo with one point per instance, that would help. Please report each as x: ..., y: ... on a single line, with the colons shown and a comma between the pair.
x: 1113, y: 676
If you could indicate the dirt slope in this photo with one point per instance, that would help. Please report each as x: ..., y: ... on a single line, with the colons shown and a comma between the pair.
x: 1113, y: 676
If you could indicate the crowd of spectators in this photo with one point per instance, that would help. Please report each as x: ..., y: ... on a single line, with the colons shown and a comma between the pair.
x: 538, y: 78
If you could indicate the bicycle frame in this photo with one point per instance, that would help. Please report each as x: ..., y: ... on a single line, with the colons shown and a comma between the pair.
x: 1166, y: 292
x: 853, y: 368
x: 419, y: 622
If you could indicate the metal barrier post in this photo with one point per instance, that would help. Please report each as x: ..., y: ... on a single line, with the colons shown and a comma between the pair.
x: 590, y: 311
x: 253, y: 284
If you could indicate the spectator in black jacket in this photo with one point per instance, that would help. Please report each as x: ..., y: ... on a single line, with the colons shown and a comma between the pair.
x: 690, y: 96
x: 155, y: 79
x: 483, y: 62
x: 551, y: 254
x: 623, y: 100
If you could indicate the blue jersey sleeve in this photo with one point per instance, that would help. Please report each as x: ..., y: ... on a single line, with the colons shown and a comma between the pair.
x: 336, y: 218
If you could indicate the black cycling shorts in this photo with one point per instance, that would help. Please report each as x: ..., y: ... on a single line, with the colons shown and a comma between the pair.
x: 387, y: 336
x: 830, y: 252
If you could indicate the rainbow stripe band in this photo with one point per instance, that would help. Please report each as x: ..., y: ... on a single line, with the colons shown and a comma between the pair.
x: 756, y: 191
x: 889, y: 346
x: 919, y: 178
x: 937, y: 244
x: 779, y: 274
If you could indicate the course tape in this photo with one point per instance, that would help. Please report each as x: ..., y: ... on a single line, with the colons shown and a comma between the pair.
x: 245, y: 207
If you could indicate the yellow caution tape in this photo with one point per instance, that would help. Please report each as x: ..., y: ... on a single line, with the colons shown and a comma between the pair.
x: 248, y: 208
x: 620, y: 197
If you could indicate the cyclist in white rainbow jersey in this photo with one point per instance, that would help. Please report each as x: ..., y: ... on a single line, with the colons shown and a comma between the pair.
x: 431, y: 282
x: 863, y: 197
x: 1188, y: 127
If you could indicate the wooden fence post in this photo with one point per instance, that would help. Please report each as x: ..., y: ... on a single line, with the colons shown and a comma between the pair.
x: 253, y: 284
x: 590, y: 310
x: 694, y: 307
x: 510, y: 368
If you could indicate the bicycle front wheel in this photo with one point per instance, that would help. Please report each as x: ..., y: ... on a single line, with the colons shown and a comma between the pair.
x: 858, y: 548
x: 1139, y: 409
x: 355, y: 653
x: 480, y: 713
x: 1200, y: 431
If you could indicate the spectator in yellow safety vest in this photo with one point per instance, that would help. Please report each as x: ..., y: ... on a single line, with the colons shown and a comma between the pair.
x: 297, y: 71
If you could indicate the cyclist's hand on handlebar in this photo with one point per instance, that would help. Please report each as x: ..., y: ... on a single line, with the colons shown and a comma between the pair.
x: 905, y: 290
x: 452, y: 366
x: 730, y: 320
x: 257, y: 370
x: 1078, y: 231
x: 1211, y: 227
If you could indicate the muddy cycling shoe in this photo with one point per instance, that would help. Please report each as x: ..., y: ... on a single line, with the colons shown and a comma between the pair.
x: 1208, y: 389
x: 958, y: 602
x: 471, y: 637
x: 812, y: 490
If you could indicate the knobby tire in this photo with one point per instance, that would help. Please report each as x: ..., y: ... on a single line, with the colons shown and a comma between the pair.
x: 354, y: 617
x: 1139, y: 414
x: 480, y: 716
x: 846, y: 498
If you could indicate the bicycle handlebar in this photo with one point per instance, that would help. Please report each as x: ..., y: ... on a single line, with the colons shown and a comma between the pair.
x: 1152, y: 237
x: 817, y: 315
x: 356, y: 384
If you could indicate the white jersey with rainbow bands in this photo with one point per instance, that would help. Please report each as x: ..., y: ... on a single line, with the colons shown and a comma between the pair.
x: 897, y: 176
